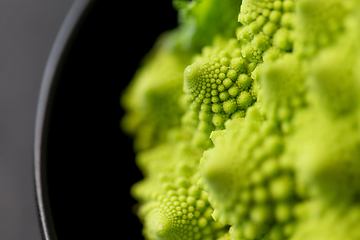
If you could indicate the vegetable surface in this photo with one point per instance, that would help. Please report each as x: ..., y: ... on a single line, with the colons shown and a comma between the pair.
x: 247, y: 122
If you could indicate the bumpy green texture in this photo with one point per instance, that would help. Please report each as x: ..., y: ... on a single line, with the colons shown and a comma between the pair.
x: 265, y: 141
x: 219, y: 86
x: 182, y: 214
x: 267, y: 29
x: 173, y: 206
x: 264, y: 185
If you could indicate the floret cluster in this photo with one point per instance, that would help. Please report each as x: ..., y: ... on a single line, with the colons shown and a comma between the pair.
x: 246, y: 122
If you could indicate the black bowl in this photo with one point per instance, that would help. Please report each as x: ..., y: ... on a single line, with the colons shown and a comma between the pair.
x: 78, y: 143
x: 84, y: 164
x: 49, y: 83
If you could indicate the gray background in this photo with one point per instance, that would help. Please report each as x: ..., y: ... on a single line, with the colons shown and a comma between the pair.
x: 27, y: 31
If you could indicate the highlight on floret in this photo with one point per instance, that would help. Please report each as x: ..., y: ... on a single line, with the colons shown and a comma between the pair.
x: 253, y: 135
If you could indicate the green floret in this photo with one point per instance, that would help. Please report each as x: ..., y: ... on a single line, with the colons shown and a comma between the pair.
x: 166, y: 167
x: 254, y: 138
x: 183, y: 214
x: 334, y: 74
x: 219, y: 87
x: 267, y: 29
x: 173, y: 206
x: 152, y: 98
x: 252, y: 188
x: 319, y: 23
x: 322, y: 222
x: 282, y: 91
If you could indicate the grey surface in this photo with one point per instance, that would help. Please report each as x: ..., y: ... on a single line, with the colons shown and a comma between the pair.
x: 27, y: 31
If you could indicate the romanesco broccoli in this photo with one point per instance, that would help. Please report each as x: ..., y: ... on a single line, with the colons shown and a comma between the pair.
x: 246, y: 121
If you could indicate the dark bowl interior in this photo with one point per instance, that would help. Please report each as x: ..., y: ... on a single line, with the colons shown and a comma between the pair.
x: 89, y: 161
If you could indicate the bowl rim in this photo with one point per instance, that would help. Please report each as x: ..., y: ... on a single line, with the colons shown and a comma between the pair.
x: 63, y: 42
